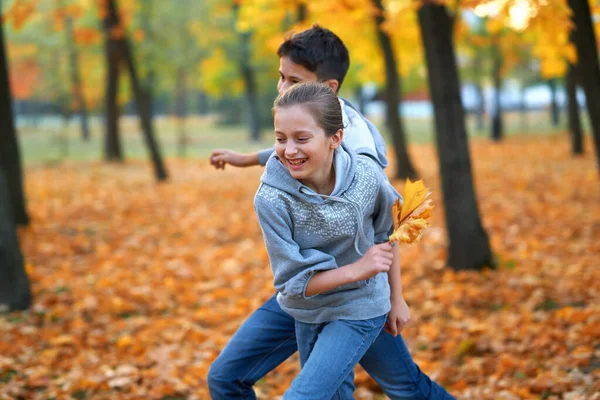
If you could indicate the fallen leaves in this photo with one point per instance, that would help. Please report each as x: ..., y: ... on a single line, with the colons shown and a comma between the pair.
x: 137, y: 286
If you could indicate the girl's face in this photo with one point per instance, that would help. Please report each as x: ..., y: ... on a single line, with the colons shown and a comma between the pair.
x: 303, y: 147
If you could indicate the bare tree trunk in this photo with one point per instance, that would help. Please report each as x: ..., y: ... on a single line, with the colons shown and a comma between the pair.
x: 112, y: 140
x: 404, y: 167
x: 141, y: 100
x: 14, y: 284
x: 76, y: 85
x: 150, y: 79
x: 573, y: 111
x: 497, y: 123
x: 554, y: 110
x: 10, y: 156
x: 523, y: 109
x: 360, y: 99
x: 180, y: 110
x: 302, y: 12
x: 249, y: 78
x: 202, y: 102
x: 469, y: 247
x: 588, y: 68
x: 478, y: 89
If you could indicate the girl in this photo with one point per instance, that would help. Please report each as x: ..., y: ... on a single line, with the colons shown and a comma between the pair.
x: 322, y: 209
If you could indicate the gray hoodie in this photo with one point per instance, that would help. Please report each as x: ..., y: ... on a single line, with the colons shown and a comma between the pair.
x: 306, y: 232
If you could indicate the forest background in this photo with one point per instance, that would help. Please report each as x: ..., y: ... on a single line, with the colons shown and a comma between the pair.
x: 127, y: 262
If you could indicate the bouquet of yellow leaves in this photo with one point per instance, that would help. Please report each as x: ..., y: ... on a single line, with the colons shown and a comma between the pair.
x: 410, y: 220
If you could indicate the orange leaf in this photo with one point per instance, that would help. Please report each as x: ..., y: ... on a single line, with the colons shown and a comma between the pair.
x: 411, y: 219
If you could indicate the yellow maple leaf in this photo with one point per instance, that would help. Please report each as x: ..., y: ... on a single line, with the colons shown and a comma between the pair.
x: 411, y: 219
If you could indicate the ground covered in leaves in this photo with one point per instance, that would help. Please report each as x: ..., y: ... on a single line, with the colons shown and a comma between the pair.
x: 138, y: 285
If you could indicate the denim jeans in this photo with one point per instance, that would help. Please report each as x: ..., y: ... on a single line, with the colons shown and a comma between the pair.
x: 328, y: 354
x: 268, y: 337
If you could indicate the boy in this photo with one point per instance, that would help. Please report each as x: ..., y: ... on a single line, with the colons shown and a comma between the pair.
x: 268, y: 337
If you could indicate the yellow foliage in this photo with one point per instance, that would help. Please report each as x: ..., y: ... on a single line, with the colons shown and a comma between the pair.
x: 217, y: 75
x: 410, y: 219
x: 20, y: 12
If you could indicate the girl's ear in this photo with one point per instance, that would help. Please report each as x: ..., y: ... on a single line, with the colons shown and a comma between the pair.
x: 336, y: 139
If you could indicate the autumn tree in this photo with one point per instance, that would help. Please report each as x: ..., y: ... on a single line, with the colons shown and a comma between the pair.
x: 497, y: 60
x: 573, y: 115
x: 119, y: 51
x: 393, y: 90
x: 587, y: 64
x: 14, y: 284
x: 249, y: 77
x: 10, y: 158
x: 113, y: 149
x: 67, y: 13
x: 468, y: 242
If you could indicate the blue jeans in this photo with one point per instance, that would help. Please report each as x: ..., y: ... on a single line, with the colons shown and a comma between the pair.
x: 328, y: 354
x: 268, y: 338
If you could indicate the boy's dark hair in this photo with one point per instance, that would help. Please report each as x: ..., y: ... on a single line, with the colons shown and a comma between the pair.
x: 318, y: 50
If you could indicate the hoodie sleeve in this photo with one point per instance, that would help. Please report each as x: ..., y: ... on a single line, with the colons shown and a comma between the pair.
x: 263, y: 156
x: 383, y: 222
x: 292, y: 267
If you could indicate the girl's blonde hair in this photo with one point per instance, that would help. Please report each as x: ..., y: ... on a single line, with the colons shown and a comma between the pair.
x: 319, y: 100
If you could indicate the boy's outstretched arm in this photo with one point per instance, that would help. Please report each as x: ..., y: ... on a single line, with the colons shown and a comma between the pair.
x: 221, y: 157
x: 399, y: 314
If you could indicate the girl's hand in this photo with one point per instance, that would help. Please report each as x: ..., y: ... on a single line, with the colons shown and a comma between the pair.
x: 398, y: 317
x: 377, y: 259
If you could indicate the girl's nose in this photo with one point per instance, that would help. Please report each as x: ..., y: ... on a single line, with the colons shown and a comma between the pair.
x: 290, y: 148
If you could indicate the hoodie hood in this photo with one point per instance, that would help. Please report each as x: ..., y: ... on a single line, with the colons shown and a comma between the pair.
x: 278, y: 176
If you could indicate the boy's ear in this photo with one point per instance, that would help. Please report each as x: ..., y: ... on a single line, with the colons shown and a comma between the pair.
x: 333, y: 84
x: 336, y: 139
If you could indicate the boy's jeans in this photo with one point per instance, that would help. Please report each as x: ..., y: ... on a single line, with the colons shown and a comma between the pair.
x: 268, y: 338
x: 328, y: 354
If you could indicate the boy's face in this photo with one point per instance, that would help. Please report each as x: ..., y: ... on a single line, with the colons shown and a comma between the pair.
x: 291, y: 73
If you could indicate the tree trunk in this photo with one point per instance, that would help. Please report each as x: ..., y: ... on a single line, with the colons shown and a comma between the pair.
x: 141, y: 99
x: 302, y: 12
x: 587, y: 66
x: 180, y: 110
x: 477, y: 67
x: 573, y: 111
x: 360, y: 99
x: 112, y: 140
x: 150, y: 79
x: 404, y: 167
x: 469, y: 247
x: 523, y: 109
x: 14, y: 284
x: 554, y: 110
x: 249, y: 78
x: 202, y: 101
x: 10, y: 156
x: 497, y: 124
x: 76, y: 85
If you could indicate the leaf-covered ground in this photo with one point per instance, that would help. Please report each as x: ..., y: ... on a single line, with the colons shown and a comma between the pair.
x: 138, y: 285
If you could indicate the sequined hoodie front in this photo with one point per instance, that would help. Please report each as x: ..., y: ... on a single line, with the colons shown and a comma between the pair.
x: 306, y: 232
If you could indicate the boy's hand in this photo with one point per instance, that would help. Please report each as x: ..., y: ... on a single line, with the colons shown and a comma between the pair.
x: 221, y: 157
x: 398, y: 317
x: 377, y: 259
